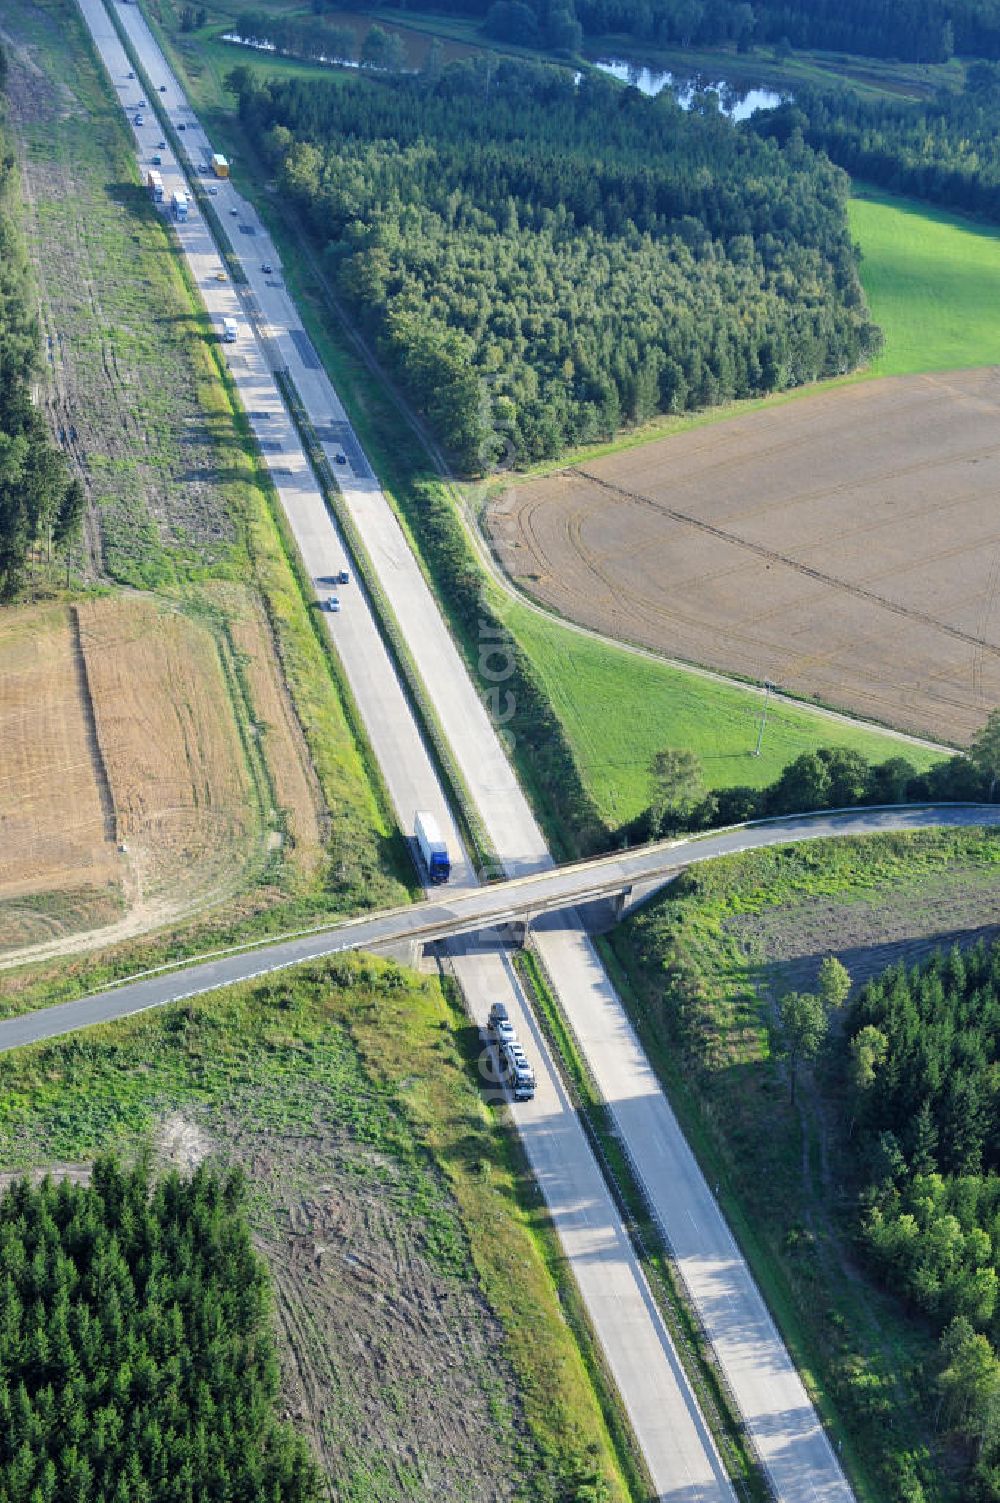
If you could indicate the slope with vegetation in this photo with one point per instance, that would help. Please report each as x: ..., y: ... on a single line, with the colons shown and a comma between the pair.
x: 425, y: 1319
x: 541, y: 260
x: 924, y: 1051
x: 863, y: 1262
x: 39, y: 502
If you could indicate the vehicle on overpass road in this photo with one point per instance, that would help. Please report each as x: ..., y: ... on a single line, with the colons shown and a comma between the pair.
x: 670, y: 1433
x: 448, y: 913
x: 780, y: 1419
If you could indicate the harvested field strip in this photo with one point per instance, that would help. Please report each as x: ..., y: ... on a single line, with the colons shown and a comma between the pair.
x: 774, y: 557
x: 845, y: 546
x: 54, y: 826
x: 297, y: 793
x: 142, y: 405
x: 183, y: 796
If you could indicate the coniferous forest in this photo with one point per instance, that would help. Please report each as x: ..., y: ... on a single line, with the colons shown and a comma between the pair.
x: 136, y: 1358
x: 925, y: 1050
x: 542, y: 261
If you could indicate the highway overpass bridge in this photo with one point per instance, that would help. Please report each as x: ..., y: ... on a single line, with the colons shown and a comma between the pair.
x: 623, y: 879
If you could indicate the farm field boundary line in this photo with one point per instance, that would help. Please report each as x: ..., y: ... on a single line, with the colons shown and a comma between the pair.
x: 498, y: 574
x: 772, y: 556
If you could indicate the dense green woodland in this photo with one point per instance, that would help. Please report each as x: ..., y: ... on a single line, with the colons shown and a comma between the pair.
x: 37, y: 499
x: 542, y: 262
x: 946, y: 149
x: 911, y: 30
x: 925, y: 1052
x: 136, y: 1358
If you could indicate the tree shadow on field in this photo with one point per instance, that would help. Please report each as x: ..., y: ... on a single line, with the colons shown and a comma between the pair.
x: 799, y: 972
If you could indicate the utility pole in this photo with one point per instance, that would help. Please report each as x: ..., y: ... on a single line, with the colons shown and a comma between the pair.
x: 768, y: 686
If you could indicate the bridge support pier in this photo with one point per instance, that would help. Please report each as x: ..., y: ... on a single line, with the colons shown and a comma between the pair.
x: 408, y: 952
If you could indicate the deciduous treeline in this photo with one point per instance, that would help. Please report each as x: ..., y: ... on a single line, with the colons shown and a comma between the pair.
x: 831, y: 777
x: 913, y: 30
x: 136, y: 1360
x: 37, y: 500
x: 946, y: 149
x: 542, y: 261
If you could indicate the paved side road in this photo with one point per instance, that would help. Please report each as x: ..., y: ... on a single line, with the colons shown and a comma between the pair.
x: 781, y: 1420
x: 679, y: 1454
x: 448, y: 911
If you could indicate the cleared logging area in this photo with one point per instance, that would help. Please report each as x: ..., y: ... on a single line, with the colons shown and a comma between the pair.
x: 126, y: 783
x: 846, y: 546
x: 425, y: 1351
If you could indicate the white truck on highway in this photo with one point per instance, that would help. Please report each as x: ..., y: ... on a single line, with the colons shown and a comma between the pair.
x: 433, y: 849
x: 230, y: 330
x: 154, y: 182
x: 179, y: 203
x: 516, y: 1071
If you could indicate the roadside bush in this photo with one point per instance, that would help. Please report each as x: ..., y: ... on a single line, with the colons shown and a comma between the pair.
x: 831, y: 777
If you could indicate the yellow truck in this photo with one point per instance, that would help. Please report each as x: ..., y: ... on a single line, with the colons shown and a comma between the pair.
x: 219, y: 165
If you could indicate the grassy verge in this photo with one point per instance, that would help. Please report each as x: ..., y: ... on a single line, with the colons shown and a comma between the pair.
x: 382, y: 1061
x: 618, y: 708
x: 716, y: 1404
x: 696, y: 969
x: 367, y: 862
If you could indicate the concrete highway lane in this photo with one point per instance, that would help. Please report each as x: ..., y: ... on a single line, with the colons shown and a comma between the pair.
x: 678, y: 1452
x: 782, y: 1422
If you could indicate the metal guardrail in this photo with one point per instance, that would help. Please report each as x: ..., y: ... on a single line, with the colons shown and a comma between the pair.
x: 485, y: 856
x: 692, y: 1359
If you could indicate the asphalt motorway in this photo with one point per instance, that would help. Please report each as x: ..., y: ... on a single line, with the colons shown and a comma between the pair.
x: 678, y: 1451
x: 782, y: 1422
x: 475, y: 912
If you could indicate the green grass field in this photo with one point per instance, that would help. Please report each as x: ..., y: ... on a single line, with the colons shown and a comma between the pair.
x: 736, y: 933
x: 619, y: 707
x: 933, y: 282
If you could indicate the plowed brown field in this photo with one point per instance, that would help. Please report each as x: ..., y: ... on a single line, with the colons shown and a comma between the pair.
x: 125, y: 785
x: 846, y: 546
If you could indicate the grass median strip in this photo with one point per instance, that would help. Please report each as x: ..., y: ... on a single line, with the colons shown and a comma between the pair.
x: 473, y: 829
x: 714, y: 1399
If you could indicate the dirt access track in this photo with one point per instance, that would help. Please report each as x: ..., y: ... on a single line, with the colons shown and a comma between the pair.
x: 845, y: 545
